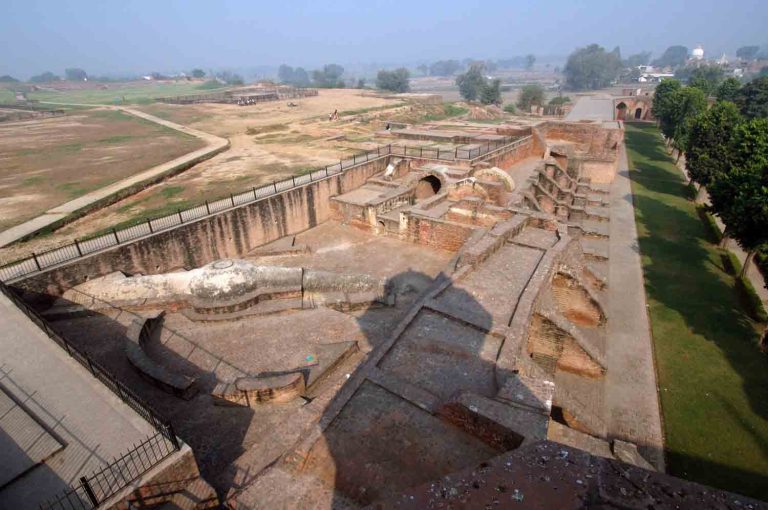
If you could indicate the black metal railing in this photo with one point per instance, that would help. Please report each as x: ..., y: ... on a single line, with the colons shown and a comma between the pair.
x: 121, y: 471
x: 92, y: 490
x: 80, y: 248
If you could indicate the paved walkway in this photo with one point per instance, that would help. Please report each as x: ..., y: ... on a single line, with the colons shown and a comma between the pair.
x: 631, y: 390
x: 592, y: 108
x: 72, y: 406
x: 213, y: 144
x: 753, y: 273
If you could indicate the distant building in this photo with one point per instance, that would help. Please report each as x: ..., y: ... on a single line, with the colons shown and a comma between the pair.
x: 698, y: 53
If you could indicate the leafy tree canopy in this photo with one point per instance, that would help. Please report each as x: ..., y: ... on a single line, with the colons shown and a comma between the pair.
x: 45, y: 77
x: 297, y: 77
x: 75, y: 74
x: 490, y: 93
x: 592, y: 68
x: 728, y: 89
x: 444, y: 68
x: 8, y: 79
x: 329, y: 76
x: 705, y: 77
x: 530, y: 95
x: 740, y: 198
x: 709, y: 151
x: 472, y: 82
x: 691, y: 102
x: 638, y: 59
x: 674, y: 56
x: 197, y: 73
x: 395, y: 81
x: 752, y: 98
x: 664, y: 105
x: 530, y: 60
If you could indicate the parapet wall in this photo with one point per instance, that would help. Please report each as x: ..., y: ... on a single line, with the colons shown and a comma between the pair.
x: 228, y: 234
x: 590, y: 137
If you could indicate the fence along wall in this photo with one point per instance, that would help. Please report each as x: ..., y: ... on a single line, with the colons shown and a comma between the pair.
x: 227, y: 234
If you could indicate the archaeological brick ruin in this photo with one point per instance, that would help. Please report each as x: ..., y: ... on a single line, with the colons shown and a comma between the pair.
x: 428, y: 325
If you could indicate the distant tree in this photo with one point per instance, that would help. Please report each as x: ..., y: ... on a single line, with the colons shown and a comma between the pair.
x: 197, y: 73
x: 395, y: 81
x: 472, y: 82
x: 740, y: 199
x: 560, y: 100
x: 45, y: 77
x: 664, y: 105
x: 705, y: 77
x: 423, y: 69
x: 285, y: 73
x: 510, y: 108
x: 230, y: 78
x: 674, y: 56
x: 709, y: 152
x: 444, y: 68
x: 330, y: 76
x: 75, y: 74
x: 728, y: 89
x: 361, y: 83
x: 530, y: 60
x: 747, y: 52
x: 490, y: 93
x: 530, y: 95
x: 592, y: 68
x: 490, y: 66
x: 638, y: 59
x: 752, y: 98
x: 8, y: 79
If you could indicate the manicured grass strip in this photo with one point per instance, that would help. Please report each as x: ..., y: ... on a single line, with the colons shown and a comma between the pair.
x: 713, y: 380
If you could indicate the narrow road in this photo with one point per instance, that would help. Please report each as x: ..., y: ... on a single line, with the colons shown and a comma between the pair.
x: 214, y: 144
x: 592, y: 108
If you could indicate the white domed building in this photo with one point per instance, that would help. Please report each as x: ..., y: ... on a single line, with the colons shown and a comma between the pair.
x: 698, y: 53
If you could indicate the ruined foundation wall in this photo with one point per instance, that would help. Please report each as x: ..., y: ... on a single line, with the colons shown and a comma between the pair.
x: 590, y: 137
x: 444, y: 235
x: 507, y: 158
x: 229, y: 234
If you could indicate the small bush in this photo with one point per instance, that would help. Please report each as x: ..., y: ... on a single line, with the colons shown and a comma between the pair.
x: 713, y: 231
x: 510, y: 108
x: 731, y: 263
x: 751, y: 300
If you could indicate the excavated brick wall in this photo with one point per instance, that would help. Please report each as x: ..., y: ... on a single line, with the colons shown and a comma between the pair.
x: 436, y: 233
x: 229, y: 234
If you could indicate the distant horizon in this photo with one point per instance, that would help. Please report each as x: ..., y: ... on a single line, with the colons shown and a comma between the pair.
x: 139, y: 37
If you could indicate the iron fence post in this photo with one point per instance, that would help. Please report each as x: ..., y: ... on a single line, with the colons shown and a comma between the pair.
x: 174, y: 440
x: 77, y: 245
x: 232, y: 199
x: 89, y: 491
x: 149, y: 224
x: 181, y: 220
x: 274, y: 185
x: 293, y: 179
x: 114, y: 233
x: 208, y: 207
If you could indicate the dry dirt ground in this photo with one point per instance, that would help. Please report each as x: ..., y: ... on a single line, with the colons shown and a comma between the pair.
x: 269, y: 141
x: 46, y: 162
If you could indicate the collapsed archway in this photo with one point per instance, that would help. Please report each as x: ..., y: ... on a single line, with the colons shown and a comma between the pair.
x: 621, y: 111
x: 427, y: 186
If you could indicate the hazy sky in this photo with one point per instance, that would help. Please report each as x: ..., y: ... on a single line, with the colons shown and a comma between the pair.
x: 106, y: 36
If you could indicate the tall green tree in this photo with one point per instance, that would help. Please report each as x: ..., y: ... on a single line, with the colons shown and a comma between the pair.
x: 752, y: 98
x: 530, y: 59
x: 395, y: 81
x: 691, y: 102
x: 740, y: 198
x: 197, y: 73
x: 472, y: 82
x: 530, y: 95
x: 709, y: 151
x: 664, y: 105
x: 592, y: 68
x: 638, y: 59
x: 728, y: 90
x: 329, y: 77
x: 706, y: 77
x: 490, y: 93
x: 45, y: 77
x: 674, y: 56
x: 75, y: 74
x: 444, y: 68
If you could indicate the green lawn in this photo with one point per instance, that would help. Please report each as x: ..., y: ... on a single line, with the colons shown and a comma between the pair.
x: 133, y: 93
x: 713, y: 381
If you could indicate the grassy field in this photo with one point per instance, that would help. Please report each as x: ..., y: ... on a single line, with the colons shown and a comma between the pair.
x: 130, y: 93
x: 713, y: 380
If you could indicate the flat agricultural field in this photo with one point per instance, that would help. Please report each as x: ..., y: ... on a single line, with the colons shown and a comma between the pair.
x: 140, y: 92
x: 713, y: 380
x: 47, y: 162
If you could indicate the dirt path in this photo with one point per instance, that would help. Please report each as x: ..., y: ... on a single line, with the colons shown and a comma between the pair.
x: 214, y: 144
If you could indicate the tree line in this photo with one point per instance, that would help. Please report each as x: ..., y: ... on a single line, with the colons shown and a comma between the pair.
x: 726, y: 151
